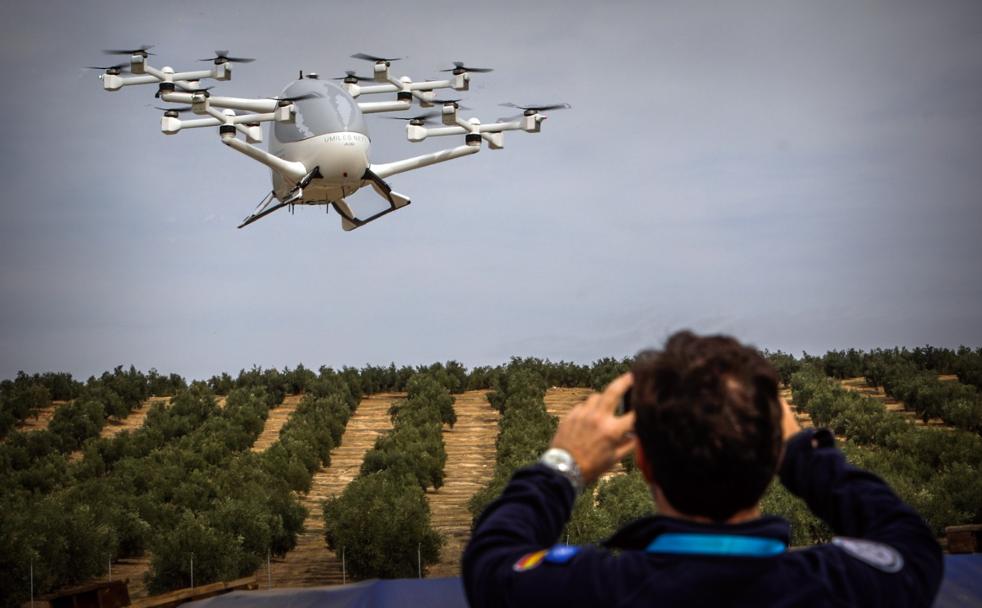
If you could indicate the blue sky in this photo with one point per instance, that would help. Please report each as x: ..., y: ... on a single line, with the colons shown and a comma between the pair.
x: 802, y: 175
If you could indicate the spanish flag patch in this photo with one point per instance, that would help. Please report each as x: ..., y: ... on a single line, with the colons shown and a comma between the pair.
x: 529, y: 561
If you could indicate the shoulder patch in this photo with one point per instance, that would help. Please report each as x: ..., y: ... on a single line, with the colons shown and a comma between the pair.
x: 882, y: 557
x: 562, y: 554
x: 529, y: 561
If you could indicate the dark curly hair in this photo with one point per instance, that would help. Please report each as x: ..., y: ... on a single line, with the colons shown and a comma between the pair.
x: 709, y: 422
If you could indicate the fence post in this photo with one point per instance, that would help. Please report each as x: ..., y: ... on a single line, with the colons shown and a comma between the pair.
x: 344, y: 570
x: 419, y: 559
x: 32, y: 582
x: 192, y: 571
x: 269, y: 572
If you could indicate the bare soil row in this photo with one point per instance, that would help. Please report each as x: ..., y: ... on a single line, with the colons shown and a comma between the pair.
x: 311, y: 563
x: 470, y: 446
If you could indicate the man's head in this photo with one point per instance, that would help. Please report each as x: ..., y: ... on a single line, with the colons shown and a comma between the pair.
x: 709, y: 423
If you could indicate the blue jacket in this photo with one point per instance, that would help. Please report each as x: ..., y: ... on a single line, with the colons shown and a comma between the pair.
x: 885, y: 555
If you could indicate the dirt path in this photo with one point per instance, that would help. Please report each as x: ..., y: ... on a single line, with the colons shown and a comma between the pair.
x: 133, y: 421
x: 561, y: 400
x: 275, y: 421
x: 40, y: 422
x: 803, y: 417
x: 470, y: 463
x: 311, y: 563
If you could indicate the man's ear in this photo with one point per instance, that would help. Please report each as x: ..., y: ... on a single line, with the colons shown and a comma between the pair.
x: 642, y: 461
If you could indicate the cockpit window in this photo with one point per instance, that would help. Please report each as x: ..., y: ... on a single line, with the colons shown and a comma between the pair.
x: 330, y: 110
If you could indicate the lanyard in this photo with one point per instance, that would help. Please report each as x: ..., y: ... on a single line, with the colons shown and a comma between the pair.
x: 716, y: 544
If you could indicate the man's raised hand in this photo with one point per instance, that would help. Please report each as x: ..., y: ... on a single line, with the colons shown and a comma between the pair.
x: 592, y: 433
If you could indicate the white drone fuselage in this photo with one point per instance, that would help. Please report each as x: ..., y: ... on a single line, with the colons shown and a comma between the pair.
x: 329, y: 132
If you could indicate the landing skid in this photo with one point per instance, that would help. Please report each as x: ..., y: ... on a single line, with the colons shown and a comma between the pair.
x: 348, y: 220
x: 396, y: 201
x: 266, y: 206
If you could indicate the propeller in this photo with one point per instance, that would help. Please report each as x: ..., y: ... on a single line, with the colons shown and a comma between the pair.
x: 419, y: 119
x: 350, y: 75
x: 295, y: 97
x: 177, y: 110
x: 110, y: 69
x: 460, y: 67
x: 453, y: 101
x: 542, y: 108
x: 375, y: 59
x: 222, y: 57
x: 143, y: 50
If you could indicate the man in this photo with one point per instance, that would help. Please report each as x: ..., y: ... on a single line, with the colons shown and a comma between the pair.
x: 710, y: 431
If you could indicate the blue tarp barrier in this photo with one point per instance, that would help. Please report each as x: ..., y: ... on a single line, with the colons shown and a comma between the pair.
x: 962, y: 587
x: 962, y: 584
x: 429, y: 592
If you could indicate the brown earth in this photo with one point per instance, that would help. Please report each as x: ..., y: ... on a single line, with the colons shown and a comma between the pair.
x: 40, y: 422
x: 561, y: 400
x: 133, y: 421
x: 132, y: 569
x: 311, y: 563
x: 470, y: 448
x: 274, y: 422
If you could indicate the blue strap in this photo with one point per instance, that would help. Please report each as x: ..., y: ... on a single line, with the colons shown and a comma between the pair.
x: 716, y: 544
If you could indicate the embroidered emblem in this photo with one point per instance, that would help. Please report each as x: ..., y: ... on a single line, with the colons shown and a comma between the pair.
x: 562, y: 554
x: 880, y: 556
x: 529, y: 561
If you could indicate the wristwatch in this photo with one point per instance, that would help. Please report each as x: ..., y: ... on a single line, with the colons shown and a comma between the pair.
x: 561, y: 461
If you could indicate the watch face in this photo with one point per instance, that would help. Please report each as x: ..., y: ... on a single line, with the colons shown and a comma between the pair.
x: 557, y: 459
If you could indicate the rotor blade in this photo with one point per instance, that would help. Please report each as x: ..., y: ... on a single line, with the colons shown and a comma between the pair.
x: 367, y: 57
x: 142, y: 49
x: 459, y: 65
x: 351, y: 74
x: 119, y: 66
x: 296, y: 97
x: 541, y: 108
x: 222, y: 55
x: 178, y: 109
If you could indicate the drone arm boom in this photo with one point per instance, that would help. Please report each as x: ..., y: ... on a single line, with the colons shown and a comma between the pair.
x: 377, y: 88
x: 293, y: 171
x: 112, y: 82
x: 417, y: 162
x: 236, y: 103
x: 371, y: 107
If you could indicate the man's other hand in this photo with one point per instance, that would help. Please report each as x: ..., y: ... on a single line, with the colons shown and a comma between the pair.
x: 593, y: 435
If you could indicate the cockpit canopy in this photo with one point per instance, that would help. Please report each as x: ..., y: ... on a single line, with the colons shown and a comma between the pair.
x: 330, y: 110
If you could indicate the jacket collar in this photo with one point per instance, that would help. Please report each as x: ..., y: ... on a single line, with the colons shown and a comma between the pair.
x: 638, y: 534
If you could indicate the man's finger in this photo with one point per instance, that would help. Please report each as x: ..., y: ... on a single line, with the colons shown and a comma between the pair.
x: 614, y: 392
x: 625, y: 449
x: 623, y: 424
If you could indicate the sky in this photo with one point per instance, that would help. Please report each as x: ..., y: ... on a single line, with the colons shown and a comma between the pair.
x: 802, y: 175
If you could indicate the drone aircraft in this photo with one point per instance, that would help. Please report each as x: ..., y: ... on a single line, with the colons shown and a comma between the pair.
x: 318, y: 150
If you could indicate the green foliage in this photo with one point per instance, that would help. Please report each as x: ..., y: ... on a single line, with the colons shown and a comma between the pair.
x: 938, y: 471
x: 525, y: 428
x: 785, y: 364
x: 625, y: 498
x: 380, y: 522
x: 216, y: 554
x: 382, y: 518
x: 905, y: 375
x: 806, y: 528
